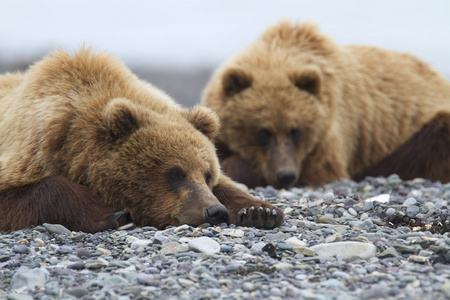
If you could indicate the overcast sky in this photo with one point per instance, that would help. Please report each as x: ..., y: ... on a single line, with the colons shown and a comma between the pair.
x: 188, y: 34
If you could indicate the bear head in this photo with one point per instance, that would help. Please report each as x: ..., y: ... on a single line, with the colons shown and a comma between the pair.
x: 161, y: 167
x: 275, y: 100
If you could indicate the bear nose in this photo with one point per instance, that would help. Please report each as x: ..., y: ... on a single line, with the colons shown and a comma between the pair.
x: 216, y: 214
x: 286, y: 177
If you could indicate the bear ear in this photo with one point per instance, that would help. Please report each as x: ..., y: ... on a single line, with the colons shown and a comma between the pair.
x: 235, y: 81
x: 309, y: 80
x: 121, y: 119
x: 204, y: 120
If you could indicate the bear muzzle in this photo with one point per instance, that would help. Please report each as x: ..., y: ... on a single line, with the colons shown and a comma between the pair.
x: 216, y: 214
x: 286, y: 177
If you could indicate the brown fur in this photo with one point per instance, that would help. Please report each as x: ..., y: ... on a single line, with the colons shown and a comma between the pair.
x: 300, y: 109
x: 83, y: 132
x: 425, y: 154
x: 54, y: 200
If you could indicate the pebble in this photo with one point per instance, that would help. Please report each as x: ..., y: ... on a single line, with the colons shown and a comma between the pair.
x: 346, y: 250
x: 141, y: 244
x: 352, y: 211
x: 295, y: 242
x: 390, y: 212
x: 412, y: 211
x: 204, y: 245
x: 56, y: 228
x: 29, y: 278
x: 409, y: 202
x: 22, y: 249
x: 172, y: 248
x: 328, y: 197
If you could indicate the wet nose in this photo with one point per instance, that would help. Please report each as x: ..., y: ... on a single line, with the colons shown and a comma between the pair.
x: 216, y: 214
x: 286, y: 177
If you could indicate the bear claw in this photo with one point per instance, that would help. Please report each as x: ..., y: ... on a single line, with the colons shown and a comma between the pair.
x: 260, y: 217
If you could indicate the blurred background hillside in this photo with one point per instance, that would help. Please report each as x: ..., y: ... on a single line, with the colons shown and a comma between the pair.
x: 176, y: 44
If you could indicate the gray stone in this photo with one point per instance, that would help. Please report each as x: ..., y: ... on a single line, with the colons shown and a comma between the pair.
x: 77, y: 292
x: 412, y: 211
x: 114, y: 281
x: 389, y: 252
x: 52, y: 288
x: 346, y: 250
x: 22, y: 249
x: 368, y: 205
x: 367, y: 225
x: 56, y: 228
x: 161, y: 238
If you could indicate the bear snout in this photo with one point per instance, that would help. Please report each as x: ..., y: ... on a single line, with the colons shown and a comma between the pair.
x: 216, y: 214
x: 286, y: 177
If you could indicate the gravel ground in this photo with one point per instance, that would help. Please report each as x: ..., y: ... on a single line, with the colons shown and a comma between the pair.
x: 379, y: 238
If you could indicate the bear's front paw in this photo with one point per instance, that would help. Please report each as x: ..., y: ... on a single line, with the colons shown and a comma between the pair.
x: 260, y: 217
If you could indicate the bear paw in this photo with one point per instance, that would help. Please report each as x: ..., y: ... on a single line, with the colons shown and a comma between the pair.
x: 260, y: 217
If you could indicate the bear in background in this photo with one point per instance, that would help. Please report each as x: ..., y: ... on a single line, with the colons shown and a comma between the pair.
x: 86, y: 144
x: 298, y: 109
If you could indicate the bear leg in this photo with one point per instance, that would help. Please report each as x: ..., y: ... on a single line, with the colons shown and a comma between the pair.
x: 426, y: 154
x: 245, y: 210
x: 57, y: 200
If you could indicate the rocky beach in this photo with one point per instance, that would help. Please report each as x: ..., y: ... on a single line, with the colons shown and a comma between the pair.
x: 381, y: 238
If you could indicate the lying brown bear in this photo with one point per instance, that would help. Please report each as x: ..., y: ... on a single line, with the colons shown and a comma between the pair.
x: 82, y: 138
x: 296, y: 109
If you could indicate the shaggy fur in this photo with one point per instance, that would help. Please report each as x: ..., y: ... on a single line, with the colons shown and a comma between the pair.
x: 82, y: 137
x: 300, y: 109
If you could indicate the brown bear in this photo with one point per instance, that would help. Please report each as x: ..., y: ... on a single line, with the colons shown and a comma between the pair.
x: 296, y: 109
x: 85, y: 143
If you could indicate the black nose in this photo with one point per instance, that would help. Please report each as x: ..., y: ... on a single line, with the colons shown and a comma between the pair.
x: 286, y: 177
x: 216, y: 214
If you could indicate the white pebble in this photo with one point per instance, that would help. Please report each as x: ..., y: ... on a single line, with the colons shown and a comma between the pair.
x: 295, y: 242
x: 382, y: 198
x: 390, y: 211
x: 346, y: 250
x: 409, y: 202
x: 205, y: 245
x: 181, y: 228
x: 140, y: 243
x: 328, y: 197
x: 288, y: 211
x: 364, y: 216
x: 352, y: 211
x: 132, y: 239
x: 233, y: 232
x: 103, y: 251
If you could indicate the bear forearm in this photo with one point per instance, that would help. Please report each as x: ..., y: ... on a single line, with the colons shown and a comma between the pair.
x: 55, y: 200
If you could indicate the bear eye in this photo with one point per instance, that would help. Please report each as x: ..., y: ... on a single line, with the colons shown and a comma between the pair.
x: 208, y: 177
x: 264, y: 136
x: 176, y: 173
x: 296, y: 134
